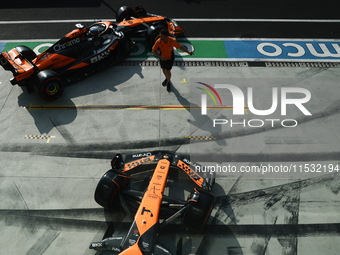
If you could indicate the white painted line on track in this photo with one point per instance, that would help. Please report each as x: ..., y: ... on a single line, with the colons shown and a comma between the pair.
x: 238, y: 60
x: 29, y: 40
x: 9, y: 22
x: 197, y: 38
x: 261, y: 20
x: 176, y: 19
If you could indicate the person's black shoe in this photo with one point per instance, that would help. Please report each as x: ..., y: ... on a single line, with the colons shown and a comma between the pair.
x: 168, y: 87
x: 164, y: 82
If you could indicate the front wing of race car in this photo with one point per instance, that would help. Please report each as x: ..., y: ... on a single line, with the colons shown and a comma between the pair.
x: 130, y: 164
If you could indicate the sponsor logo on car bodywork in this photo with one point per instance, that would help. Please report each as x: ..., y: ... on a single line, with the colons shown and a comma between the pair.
x: 59, y: 47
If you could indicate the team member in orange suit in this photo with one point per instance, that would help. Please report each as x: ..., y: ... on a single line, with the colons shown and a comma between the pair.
x: 166, y: 44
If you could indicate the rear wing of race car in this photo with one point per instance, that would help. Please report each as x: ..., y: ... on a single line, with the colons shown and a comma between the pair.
x: 134, y: 163
x: 16, y: 62
x: 113, y: 244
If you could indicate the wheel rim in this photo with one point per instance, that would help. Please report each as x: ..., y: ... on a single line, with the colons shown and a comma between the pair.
x: 157, y: 37
x: 52, y: 88
x: 154, y: 36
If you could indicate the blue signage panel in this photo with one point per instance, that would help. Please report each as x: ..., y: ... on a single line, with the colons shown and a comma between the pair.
x: 290, y: 49
x: 2, y: 46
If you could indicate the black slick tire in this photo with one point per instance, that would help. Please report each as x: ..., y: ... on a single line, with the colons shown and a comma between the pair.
x: 110, y: 184
x: 49, y: 85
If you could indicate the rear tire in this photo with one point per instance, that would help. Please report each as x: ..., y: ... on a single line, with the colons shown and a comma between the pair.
x: 108, y: 187
x: 152, y: 34
x: 125, y: 13
x: 50, y: 86
x: 199, y: 209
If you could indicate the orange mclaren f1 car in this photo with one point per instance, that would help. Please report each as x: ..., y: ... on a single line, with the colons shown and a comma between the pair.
x: 83, y: 51
x: 151, y: 206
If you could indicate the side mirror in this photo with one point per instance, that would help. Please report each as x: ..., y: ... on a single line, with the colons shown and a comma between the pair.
x: 117, y: 162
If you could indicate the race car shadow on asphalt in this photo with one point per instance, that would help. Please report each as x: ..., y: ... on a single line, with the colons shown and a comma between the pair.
x: 57, y: 115
x: 46, y: 120
x: 106, y: 79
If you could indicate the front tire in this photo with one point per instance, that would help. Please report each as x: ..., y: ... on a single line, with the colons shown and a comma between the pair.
x: 49, y: 85
x: 125, y: 13
x: 108, y: 187
x: 152, y: 34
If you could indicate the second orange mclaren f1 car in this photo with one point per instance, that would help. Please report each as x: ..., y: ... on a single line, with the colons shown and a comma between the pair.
x: 83, y: 51
x: 153, y: 209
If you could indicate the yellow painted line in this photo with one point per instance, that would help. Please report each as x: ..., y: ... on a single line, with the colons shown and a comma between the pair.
x: 201, y: 137
x: 184, y: 81
x: 124, y: 107
x: 48, y: 140
x: 39, y: 137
